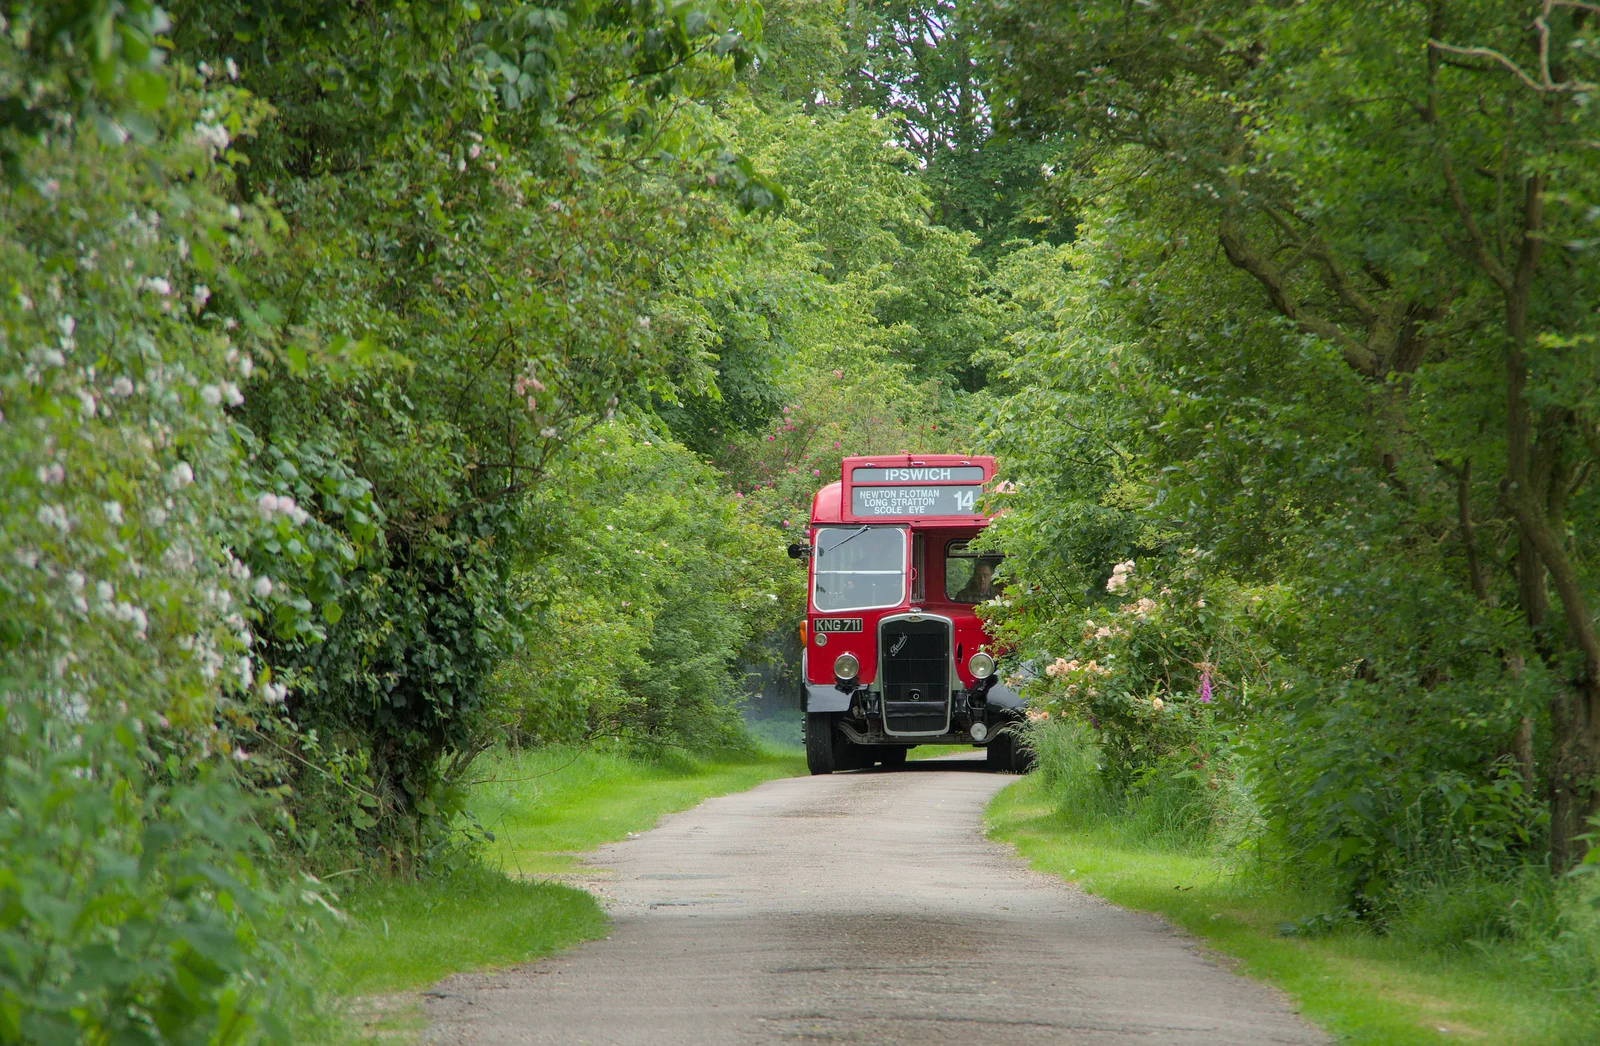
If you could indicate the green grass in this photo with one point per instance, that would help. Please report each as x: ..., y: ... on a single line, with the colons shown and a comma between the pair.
x: 938, y: 751
x: 545, y: 807
x: 409, y: 934
x: 1363, y: 988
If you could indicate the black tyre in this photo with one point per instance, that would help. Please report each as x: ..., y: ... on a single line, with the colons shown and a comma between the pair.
x: 997, y: 756
x: 821, y: 739
x: 847, y: 755
x: 892, y: 755
x: 1009, y: 753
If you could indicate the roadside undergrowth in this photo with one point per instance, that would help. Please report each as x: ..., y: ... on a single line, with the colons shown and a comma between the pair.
x: 1362, y: 987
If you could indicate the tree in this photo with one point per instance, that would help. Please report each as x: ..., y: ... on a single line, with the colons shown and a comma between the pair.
x: 482, y: 206
x: 913, y: 60
x: 1391, y: 180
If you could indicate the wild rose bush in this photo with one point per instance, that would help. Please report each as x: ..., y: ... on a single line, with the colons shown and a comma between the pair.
x: 1382, y: 714
x: 1162, y: 671
x: 135, y: 908
x: 122, y: 491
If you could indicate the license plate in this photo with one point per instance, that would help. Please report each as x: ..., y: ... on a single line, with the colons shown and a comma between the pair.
x: 836, y: 624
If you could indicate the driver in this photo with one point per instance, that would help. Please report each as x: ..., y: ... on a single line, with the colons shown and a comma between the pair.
x: 980, y: 586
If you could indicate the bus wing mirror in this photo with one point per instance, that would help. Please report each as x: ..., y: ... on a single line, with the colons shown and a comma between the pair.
x: 799, y: 551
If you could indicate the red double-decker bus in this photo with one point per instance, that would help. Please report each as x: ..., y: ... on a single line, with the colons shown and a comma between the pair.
x: 895, y: 655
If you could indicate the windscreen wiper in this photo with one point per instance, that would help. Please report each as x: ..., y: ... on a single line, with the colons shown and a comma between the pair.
x: 846, y: 541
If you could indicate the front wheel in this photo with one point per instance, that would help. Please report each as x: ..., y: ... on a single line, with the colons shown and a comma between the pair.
x: 1009, y: 753
x: 820, y: 756
x: 997, y: 756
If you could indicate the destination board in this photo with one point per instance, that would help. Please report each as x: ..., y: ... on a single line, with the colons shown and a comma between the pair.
x: 919, y: 474
x: 915, y: 501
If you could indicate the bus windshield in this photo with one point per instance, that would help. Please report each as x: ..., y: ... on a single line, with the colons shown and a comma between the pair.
x: 859, y: 568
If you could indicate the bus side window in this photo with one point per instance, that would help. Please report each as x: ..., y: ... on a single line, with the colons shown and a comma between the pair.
x: 916, y: 568
x: 968, y: 575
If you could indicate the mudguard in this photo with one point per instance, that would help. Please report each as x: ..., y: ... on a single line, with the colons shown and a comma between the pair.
x: 1002, y: 696
x: 824, y: 698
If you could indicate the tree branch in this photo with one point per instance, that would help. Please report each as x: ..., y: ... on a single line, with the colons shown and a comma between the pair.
x: 1243, y: 256
x: 1545, y: 83
x: 1565, y: 580
x: 1469, y: 543
x: 1480, y: 245
x: 1494, y: 56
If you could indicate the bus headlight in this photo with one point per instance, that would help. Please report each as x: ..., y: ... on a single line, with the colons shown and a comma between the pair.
x: 981, y: 666
x: 845, y: 666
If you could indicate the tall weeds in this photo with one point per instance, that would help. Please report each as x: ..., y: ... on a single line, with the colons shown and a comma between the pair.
x: 1501, y: 911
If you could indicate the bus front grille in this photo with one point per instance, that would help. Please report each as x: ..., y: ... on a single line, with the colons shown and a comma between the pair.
x: 916, y: 676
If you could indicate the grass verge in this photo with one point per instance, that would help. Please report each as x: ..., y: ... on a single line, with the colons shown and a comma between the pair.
x: 547, y: 806
x: 406, y: 934
x: 544, y: 807
x: 1363, y: 988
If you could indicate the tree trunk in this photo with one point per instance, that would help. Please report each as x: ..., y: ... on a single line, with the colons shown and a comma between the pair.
x: 1522, y: 751
x: 1469, y: 541
x: 1575, y: 712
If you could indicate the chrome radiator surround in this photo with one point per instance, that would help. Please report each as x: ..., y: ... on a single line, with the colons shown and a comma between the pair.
x: 916, y: 669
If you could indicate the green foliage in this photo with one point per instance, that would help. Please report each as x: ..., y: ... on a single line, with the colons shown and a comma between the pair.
x: 302, y: 322
x: 804, y: 45
x: 1164, y: 805
x: 646, y: 598
x: 132, y: 907
x: 317, y: 333
x: 482, y: 207
x: 863, y: 208
x: 1302, y: 446
x: 853, y: 398
x: 914, y: 60
x: 1123, y: 452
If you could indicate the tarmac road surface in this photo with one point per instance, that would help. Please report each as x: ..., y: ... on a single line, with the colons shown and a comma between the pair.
x: 862, y: 907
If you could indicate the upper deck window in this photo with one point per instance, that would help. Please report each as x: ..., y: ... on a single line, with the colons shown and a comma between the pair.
x: 969, y: 576
x: 859, y: 568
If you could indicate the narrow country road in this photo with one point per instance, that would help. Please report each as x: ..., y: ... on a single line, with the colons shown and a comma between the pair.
x: 858, y: 908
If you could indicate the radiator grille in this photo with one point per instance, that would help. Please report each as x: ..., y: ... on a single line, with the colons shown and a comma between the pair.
x: 916, y: 676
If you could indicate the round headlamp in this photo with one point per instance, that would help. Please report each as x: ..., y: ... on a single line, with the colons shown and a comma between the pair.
x: 981, y: 666
x: 845, y: 666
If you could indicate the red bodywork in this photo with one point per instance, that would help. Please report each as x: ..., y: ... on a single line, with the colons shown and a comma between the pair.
x: 929, y: 537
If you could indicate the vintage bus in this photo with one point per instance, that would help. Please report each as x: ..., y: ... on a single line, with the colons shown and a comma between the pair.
x: 895, y: 656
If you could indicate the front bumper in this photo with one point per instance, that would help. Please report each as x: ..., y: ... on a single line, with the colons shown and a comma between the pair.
x: 861, y: 718
x: 822, y: 697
